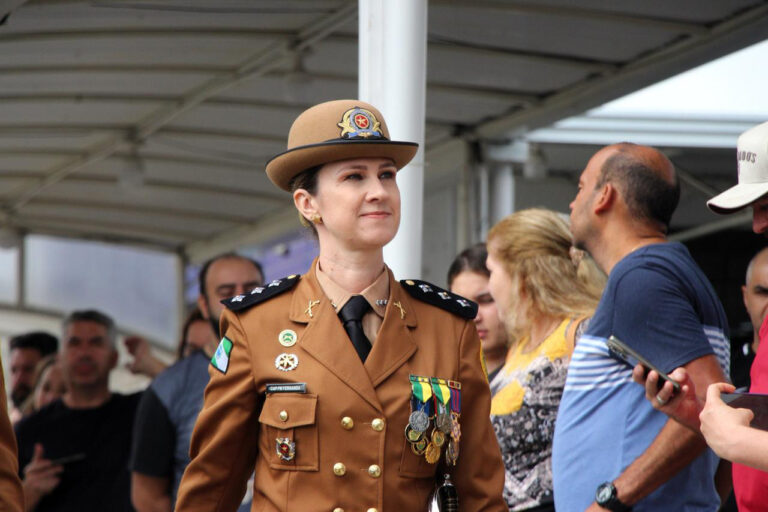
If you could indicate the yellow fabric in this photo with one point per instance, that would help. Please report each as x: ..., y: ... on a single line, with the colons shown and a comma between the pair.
x: 510, y: 397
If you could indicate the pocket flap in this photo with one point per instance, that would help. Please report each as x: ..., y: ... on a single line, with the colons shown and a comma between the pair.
x: 289, y: 410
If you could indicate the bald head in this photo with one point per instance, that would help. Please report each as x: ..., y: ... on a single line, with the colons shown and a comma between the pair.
x: 646, y: 180
x: 755, y: 291
x: 758, y: 260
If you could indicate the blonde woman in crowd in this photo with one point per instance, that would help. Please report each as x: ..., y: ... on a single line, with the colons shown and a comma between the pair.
x: 49, y: 385
x: 545, y: 291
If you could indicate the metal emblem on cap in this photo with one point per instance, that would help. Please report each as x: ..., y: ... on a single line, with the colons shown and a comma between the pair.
x: 287, y: 338
x: 286, y: 362
x: 359, y: 123
x: 286, y: 449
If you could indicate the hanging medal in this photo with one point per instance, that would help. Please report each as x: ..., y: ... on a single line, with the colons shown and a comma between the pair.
x: 442, y: 398
x: 452, y: 452
x: 420, y: 403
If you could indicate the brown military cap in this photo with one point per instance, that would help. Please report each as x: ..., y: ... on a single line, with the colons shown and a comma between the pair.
x: 333, y: 131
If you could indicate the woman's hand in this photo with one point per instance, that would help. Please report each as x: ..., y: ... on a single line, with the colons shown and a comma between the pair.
x: 684, y: 406
x: 721, y: 423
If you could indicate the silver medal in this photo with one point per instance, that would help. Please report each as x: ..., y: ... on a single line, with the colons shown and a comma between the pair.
x: 419, y: 421
x: 444, y: 422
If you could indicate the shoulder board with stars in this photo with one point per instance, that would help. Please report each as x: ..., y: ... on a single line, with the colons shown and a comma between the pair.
x: 261, y: 293
x: 431, y: 294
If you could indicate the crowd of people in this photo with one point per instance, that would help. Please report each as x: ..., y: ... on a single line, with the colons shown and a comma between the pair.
x: 345, y: 389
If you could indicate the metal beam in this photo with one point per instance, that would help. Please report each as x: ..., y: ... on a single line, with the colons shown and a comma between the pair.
x: 124, y: 143
x: 170, y: 211
x: 576, y: 13
x: 7, y: 6
x: 470, y: 50
x: 743, y: 219
x: 142, y: 33
x: 258, y: 64
x: 199, y: 161
x: 157, y: 243
x: 162, y: 185
x: 693, y: 181
x: 64, y: 221
x: 747, y: 28
x: 262, y: 230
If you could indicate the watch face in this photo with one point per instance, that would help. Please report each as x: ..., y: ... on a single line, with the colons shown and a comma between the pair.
x: 604, y: 493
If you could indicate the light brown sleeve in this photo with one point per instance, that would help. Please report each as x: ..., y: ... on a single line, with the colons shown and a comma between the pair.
x: 11, y: 495
x: 225, y: 440
x: 479, y: 472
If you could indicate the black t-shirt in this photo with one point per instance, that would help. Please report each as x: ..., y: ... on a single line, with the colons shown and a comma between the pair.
x: 100, y: 437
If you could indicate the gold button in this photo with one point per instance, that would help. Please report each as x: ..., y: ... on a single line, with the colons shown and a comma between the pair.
x: 284, y: 415
x: 339, y: 469
x: 347, y: 423
x: 374, y: 470
x: 338, y: 509
x: 377, y: 424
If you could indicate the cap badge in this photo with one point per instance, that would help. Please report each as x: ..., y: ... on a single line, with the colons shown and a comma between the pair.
x: 359, y: 123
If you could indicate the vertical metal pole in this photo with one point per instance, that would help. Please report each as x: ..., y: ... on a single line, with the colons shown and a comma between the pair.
x: 21, y: 278
x: 392, y: 64
x: 181, y: 295
x: 503, y: 190
x: 483, y: 195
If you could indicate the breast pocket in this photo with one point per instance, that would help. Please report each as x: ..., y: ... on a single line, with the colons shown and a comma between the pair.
x: 289, y: 431
x: 415, y: 466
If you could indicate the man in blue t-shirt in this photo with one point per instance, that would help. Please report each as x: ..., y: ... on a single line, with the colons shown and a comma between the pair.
x: 612, y: 450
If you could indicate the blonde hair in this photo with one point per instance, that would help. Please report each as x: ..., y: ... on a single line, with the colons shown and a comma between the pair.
x: 534, y: 247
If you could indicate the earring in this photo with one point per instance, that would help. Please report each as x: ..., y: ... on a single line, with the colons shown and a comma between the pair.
x: 316, y: 219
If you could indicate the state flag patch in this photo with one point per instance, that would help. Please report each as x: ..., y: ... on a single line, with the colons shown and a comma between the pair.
x: 220, y: 359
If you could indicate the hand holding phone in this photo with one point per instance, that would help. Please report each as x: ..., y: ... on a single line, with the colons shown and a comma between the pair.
x: 633, y: 358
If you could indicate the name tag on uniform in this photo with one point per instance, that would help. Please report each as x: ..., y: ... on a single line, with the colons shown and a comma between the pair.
x: 287, y: 387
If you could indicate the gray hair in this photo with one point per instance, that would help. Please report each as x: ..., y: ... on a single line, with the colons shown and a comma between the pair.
x: 97, y: 317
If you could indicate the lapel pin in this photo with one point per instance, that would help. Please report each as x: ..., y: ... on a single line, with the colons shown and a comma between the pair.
x: 286, y: 362
x: 400, y: 307
x: 287, y: 338
x: 312, y: 304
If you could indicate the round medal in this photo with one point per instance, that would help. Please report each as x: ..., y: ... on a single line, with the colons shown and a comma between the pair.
x: 419, y: 446
x: 432, y: 454
x: 438, y: 438
x: 452, y: 452
x: 411, y: 435
x: 419, y: 421
x: 444, y: 423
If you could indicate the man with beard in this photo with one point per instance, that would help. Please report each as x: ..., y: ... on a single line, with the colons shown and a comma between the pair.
x: 169, y: 407
x: 26, y: 351
x: 612, y: 450
x: 74, y: 451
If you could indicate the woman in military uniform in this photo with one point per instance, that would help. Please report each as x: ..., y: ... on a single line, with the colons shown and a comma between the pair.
x: 343, y: 388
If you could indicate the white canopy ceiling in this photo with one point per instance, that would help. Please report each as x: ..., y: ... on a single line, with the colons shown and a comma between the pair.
x: 149, y: 121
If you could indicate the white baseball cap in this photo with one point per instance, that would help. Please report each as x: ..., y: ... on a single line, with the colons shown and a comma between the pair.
x: 752, y: 158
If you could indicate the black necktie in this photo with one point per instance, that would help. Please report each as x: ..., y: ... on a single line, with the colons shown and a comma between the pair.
x: 352, y: 317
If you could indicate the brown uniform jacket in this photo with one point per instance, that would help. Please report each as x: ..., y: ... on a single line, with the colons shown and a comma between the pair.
x: 11, y: 495
x: 239, y: 424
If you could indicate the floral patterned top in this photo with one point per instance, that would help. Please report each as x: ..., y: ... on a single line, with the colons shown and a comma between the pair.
x: 526, y: 395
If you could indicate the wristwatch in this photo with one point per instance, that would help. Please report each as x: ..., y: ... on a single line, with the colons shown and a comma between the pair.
x: 605, y: 496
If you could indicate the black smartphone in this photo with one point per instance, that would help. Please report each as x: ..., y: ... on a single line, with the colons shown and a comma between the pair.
x: 67, y: 459
x: 755, y: 402
x: 633, y: 358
